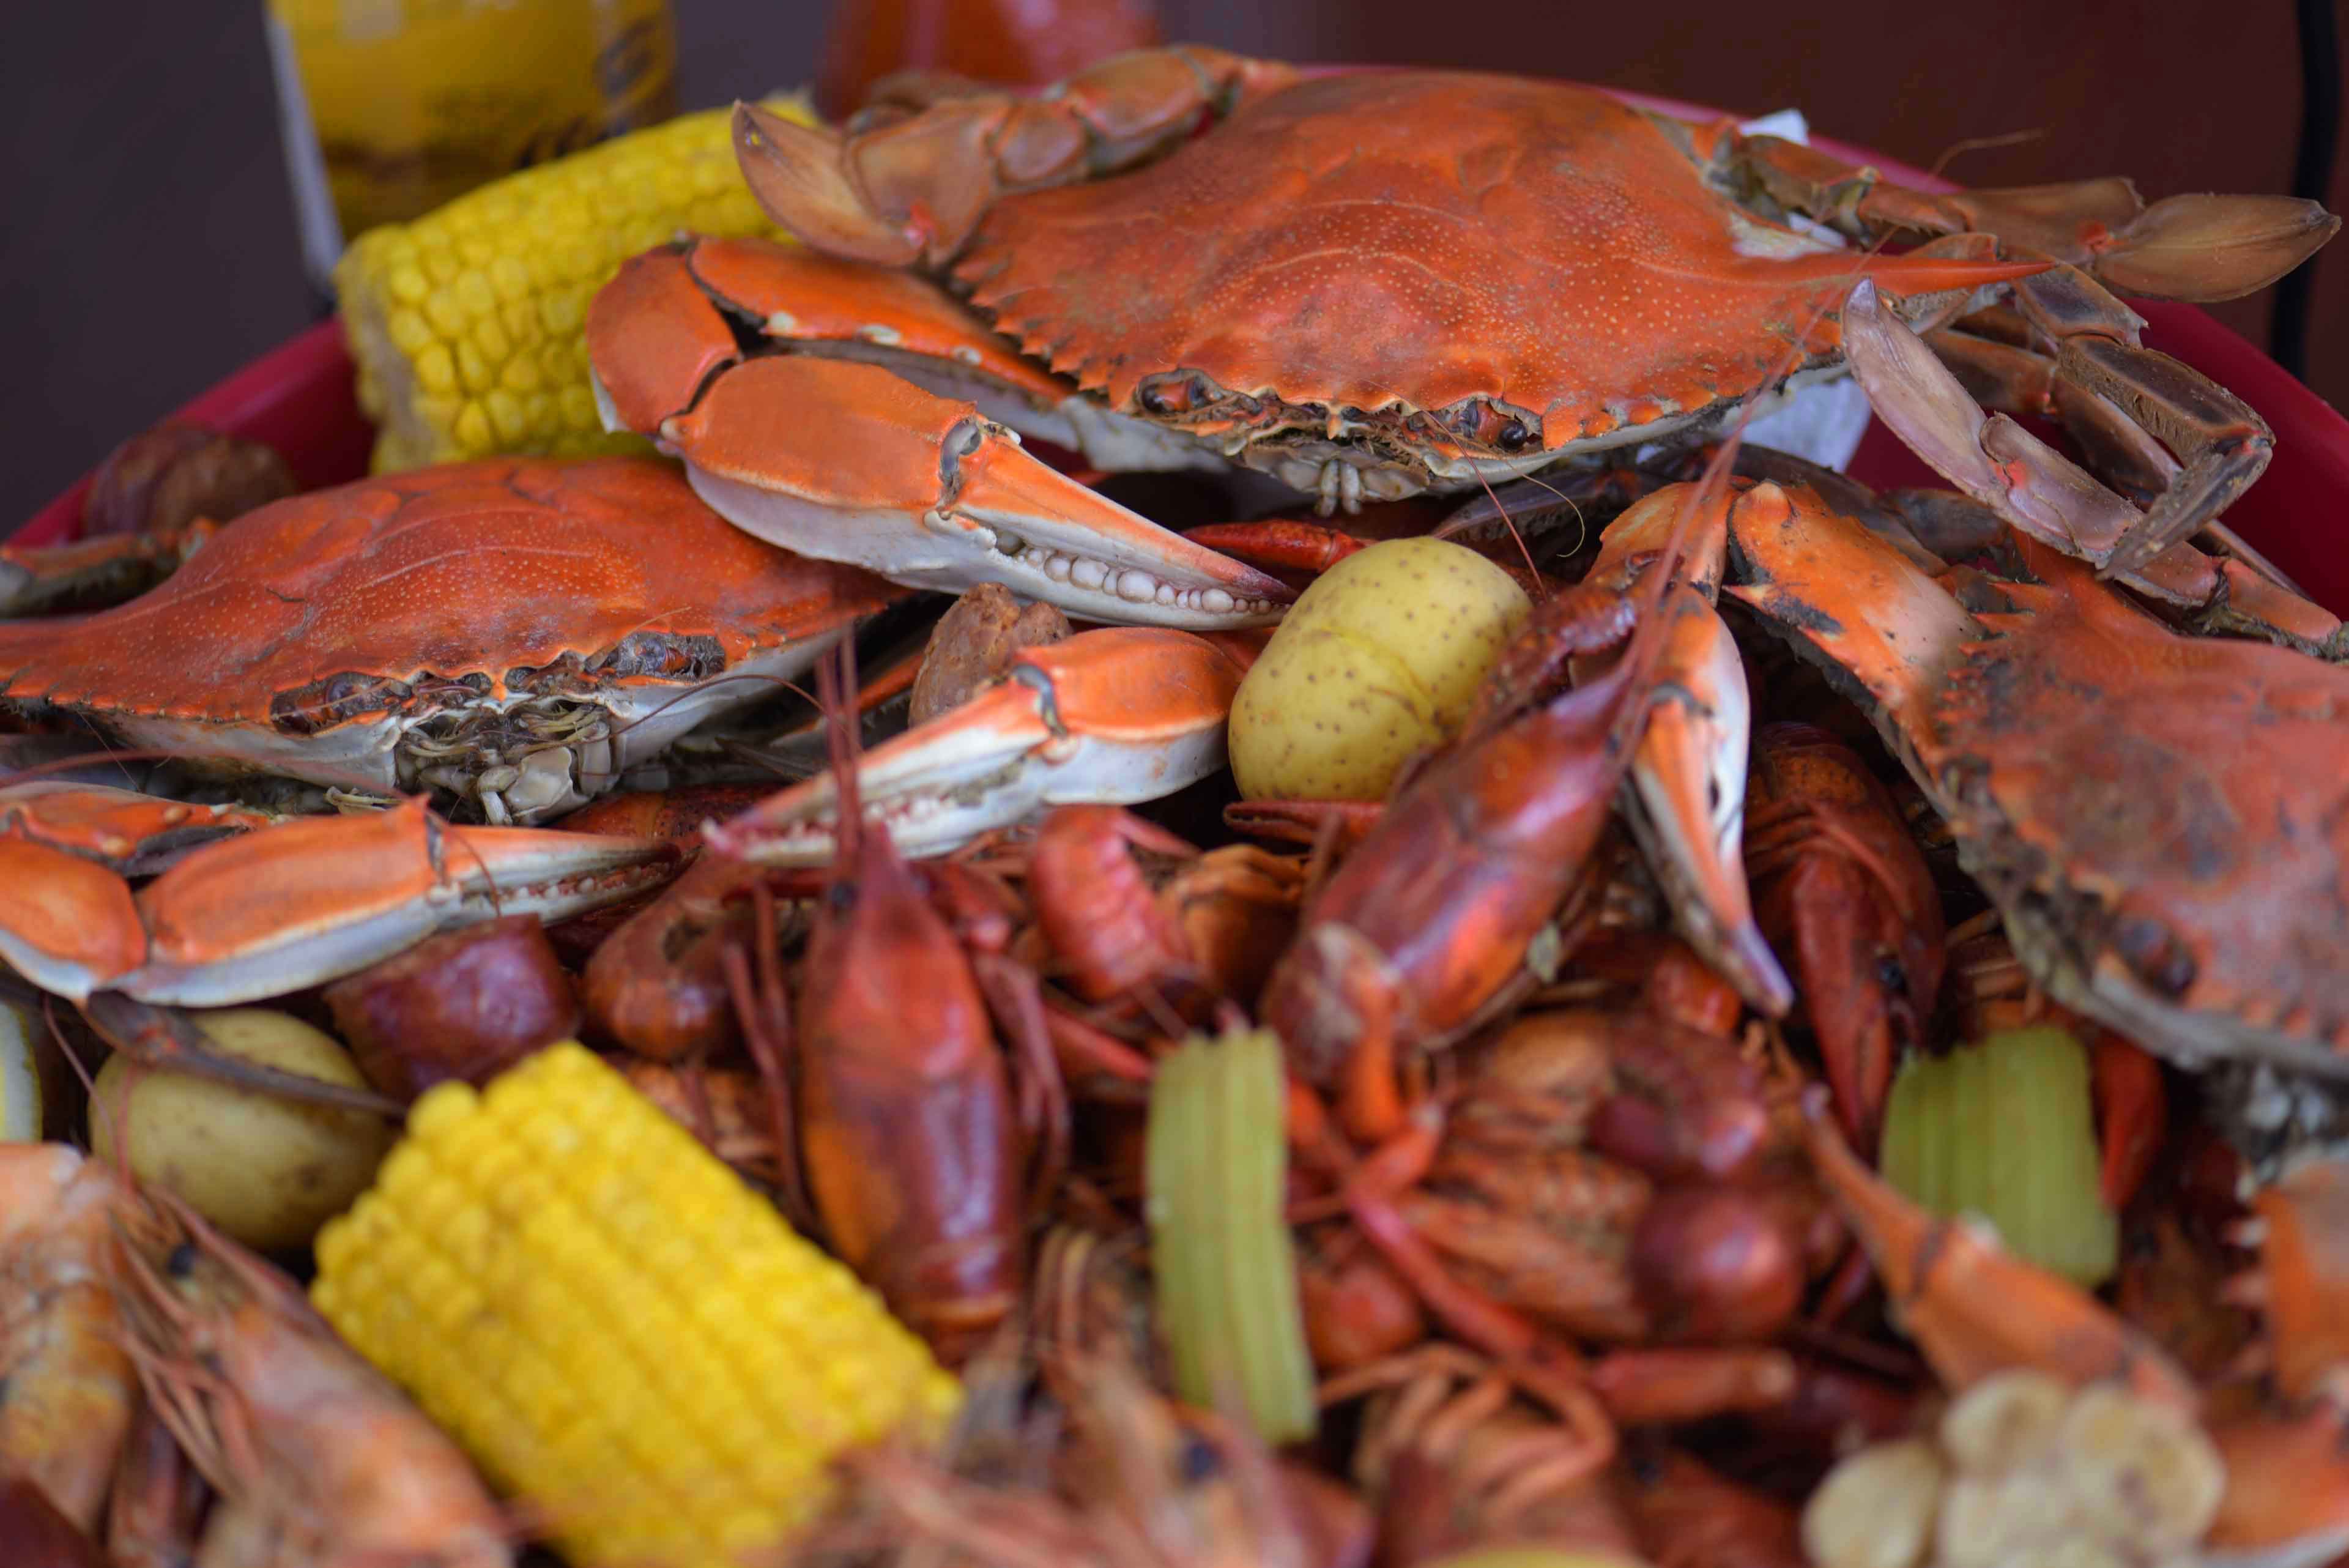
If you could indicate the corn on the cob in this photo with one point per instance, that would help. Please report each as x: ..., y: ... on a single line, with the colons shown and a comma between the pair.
x: 614, y: 1325
x: 467, y: 322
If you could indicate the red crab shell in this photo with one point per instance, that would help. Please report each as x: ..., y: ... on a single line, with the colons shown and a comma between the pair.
x: 1406, y: 241
x: 497, y: 629
x: 2190, y: 795
x: 2163, y: 820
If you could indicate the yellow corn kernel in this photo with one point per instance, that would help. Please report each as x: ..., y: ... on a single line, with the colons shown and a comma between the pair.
x: 564, y: 1280
x: 438, y: 311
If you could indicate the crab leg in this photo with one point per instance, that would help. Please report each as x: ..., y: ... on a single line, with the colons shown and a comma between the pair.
x: 2225, y: 445
x: 2041, y: 493
x: 1991, y: 353
x: 92, y: 574
x: 297, y: 904
x: 1113, y: 716
x: 2198, y: 247
x: 2193, y: 247
x: 937, y: 496
x: 866, y: 195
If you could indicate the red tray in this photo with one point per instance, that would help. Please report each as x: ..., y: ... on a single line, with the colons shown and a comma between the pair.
x: 299, y: 398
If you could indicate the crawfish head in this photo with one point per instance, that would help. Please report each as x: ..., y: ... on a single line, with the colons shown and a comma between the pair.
x: 1431, y: 917
x: 2163, y: 821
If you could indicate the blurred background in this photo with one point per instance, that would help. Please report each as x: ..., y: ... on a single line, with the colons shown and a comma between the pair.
x: 153, y: 247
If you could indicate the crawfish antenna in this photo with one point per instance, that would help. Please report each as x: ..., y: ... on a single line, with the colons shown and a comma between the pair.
x: 836, y: 691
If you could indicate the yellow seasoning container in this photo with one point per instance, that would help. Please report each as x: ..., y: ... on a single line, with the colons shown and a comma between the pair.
x: 392, y: 107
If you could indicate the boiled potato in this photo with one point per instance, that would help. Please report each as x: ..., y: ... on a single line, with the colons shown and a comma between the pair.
x: 267, y: 1171
x: 1380, y: 658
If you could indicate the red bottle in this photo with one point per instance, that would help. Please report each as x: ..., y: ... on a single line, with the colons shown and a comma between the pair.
x: 1019, y: 43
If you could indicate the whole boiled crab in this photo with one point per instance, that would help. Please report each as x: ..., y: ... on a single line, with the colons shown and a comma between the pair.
x: 2159, y: 816
x: 1369, y: 284
x: 511, y: 635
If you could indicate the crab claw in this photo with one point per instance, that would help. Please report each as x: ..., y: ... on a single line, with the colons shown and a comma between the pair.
x: 294, y: 905
x: 1851, y: 594
x: 1114, y: 716
x: 1972, y: 1307
x: 654, y: 337
x: 68, y: 924
x: 847, y: 462
x: 1688, y: 778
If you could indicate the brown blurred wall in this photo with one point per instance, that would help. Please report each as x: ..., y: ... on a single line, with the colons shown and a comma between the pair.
x: 150, y: 245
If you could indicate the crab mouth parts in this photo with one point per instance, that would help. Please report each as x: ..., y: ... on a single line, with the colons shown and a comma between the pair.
x: 1393, y: 455
x: 516, y: 764
x: 1127, y: 586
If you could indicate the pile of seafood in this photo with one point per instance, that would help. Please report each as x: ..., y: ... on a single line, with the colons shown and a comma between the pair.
x: 1207, y: 870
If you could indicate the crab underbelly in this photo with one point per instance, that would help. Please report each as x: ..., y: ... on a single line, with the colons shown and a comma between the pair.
x: 520, y: 759
x: 1369, y: 464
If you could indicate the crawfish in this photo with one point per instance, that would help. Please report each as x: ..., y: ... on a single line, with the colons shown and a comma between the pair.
x: 1615, y: 1178
x: 1424, y: 928
x: 1652, y: 1144
x: 1138, y: 1482
x: 1841, y: 885
x: 1456, y: 1464
x: 156, y: 1511
x: 1688, y: 1517
x: 1095, y: 910
x: 907, y: 1125
x: 317, y: 1458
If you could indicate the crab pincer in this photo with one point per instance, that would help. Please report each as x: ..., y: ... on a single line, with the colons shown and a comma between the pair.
x: 123, y: 830
x: 1685, y: 796
x: 1112, y: 716
x: 296, y: 904
x: 939, y: 495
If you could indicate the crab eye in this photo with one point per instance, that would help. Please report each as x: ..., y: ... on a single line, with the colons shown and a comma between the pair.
x: 1480, y: 423
x: 1171, y: 395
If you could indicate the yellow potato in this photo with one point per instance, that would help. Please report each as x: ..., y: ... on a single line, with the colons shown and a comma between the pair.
x: 267, y: 1171
x: 1380, y: 658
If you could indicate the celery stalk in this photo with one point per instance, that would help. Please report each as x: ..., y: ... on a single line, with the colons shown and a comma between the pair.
x: 2005, y: 1129
x: 1224, y: 1265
